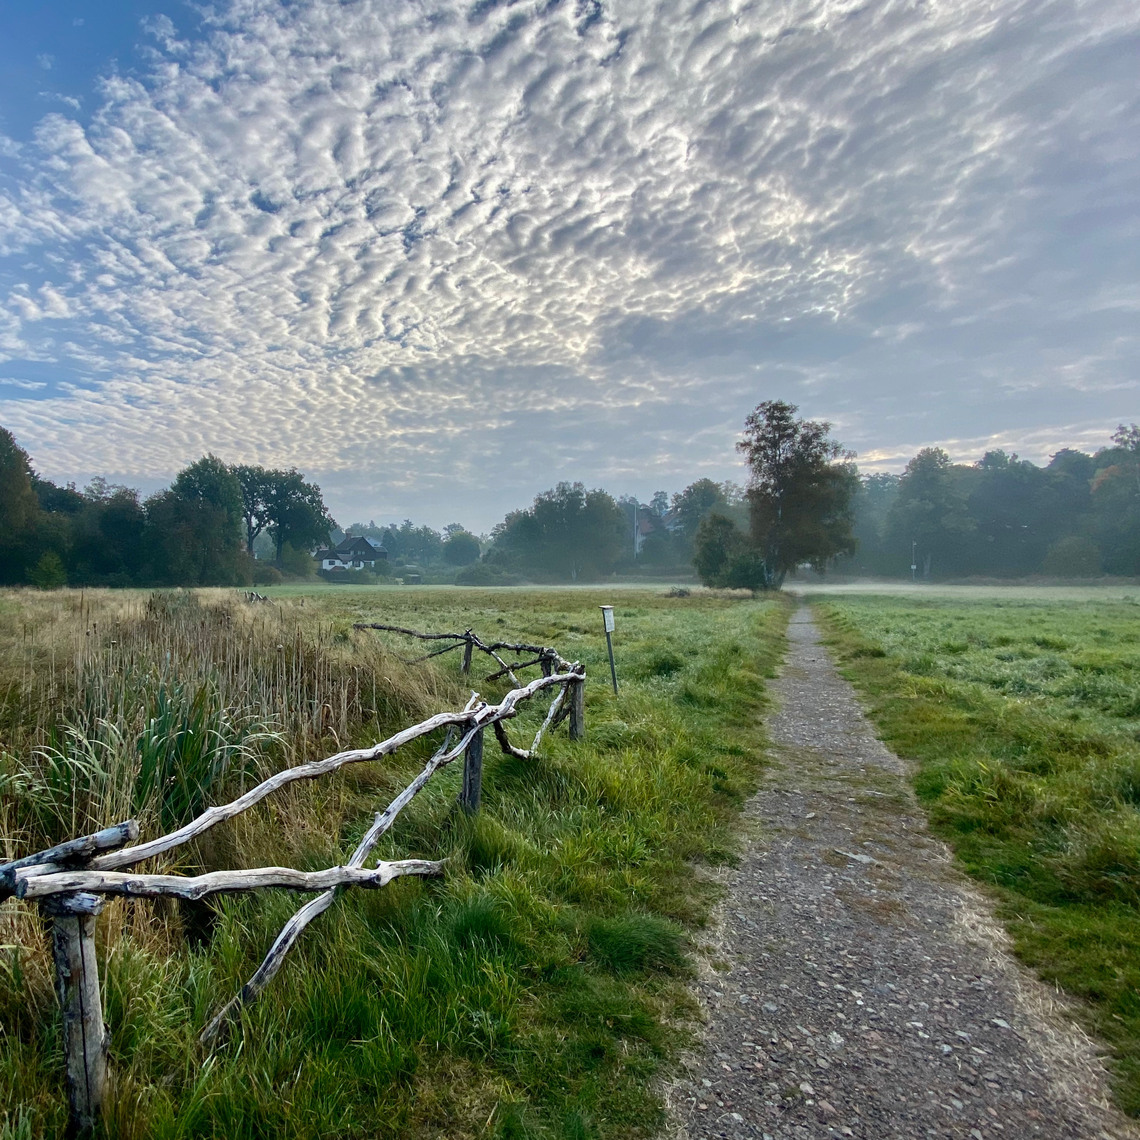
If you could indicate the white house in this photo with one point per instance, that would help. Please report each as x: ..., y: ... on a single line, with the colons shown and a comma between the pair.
x: 354, y: 553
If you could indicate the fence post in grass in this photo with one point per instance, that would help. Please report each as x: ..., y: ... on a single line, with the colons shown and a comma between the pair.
x: 578, y: 709
x: 466, y: 666
x: 472, y: 793
x: 85, y: 1039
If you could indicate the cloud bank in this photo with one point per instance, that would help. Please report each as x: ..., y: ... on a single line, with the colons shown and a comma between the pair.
x: 443, y: 254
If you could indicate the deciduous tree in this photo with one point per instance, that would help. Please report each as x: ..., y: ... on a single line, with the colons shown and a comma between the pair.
x: 931, y: 513
x: 569, y: 532
x: 800, y: 488
x: 460, y: 548
x: 283, y: 505
x: 194, y: 530
x: 19, y: 508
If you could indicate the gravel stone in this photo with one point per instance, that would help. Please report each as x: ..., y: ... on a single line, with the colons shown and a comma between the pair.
x: 863, y: 988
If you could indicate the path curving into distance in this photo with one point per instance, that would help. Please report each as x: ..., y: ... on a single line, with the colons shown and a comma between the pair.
x: 859, y: 986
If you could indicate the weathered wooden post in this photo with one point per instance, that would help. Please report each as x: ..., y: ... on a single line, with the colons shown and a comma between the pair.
x: 466, y: 666
x: 472, y: 794
x: 578, y: 709
x: 85, y: 1039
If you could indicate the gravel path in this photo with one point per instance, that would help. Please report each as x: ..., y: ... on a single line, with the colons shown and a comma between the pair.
x: 859, y: 986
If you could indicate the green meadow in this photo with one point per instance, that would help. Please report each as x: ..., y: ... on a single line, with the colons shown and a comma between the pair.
x: 1021, y: 714
x: 536, y: 991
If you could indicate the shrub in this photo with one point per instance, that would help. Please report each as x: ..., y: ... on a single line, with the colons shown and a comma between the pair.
x: 1073, y: 557
x: 48, y: 573
x: 266, y: 575
x: 484, y: 574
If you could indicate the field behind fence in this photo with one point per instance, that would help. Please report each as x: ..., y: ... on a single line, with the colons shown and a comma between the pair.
x: 521, y: 995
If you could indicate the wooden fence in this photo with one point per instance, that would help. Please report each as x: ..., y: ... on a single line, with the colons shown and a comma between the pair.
x: 68, y: 881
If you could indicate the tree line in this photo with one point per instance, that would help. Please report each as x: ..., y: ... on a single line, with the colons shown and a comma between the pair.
x: 805, y: 505
x: 1078, y: 516
x: 200, y: 531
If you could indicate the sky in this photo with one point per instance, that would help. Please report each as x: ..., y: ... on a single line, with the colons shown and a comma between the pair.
x: 442, y: 254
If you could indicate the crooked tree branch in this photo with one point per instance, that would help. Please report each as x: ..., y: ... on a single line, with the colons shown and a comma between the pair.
x: 62, y: 877
x: 74, y: 851
x: 138, y: 886
x: 543, y: 652
x: 464, y: 719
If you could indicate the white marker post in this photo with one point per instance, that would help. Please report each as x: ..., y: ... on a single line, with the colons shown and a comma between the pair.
x: 608, y: 622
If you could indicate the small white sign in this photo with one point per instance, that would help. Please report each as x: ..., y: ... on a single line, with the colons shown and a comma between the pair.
x: 608, y: 618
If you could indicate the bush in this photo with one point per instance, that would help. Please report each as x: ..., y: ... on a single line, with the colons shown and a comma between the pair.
x: 48, y: 573
x: 348, y: 577
x: 266, y: 575
x: 299, y: 563
x: 484, y: 574
x: 723, y: 556
x: 1073, y: 557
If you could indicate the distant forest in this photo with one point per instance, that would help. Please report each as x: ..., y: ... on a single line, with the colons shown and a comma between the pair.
x: 217, y: 524
x: 1003, y: 517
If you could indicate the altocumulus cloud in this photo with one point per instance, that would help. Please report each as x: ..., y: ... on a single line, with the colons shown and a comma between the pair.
x: 407, y: 245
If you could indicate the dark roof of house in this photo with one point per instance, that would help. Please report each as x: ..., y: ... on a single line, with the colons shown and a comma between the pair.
x: 360, y: 548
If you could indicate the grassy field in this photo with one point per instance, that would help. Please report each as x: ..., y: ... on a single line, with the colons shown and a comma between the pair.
x: 535, y: 991
x: 1022, y: 713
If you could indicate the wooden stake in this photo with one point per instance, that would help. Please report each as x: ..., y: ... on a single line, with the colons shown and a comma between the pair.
x: 85, y: 1039
x: 466, y: 667
x: 472, y: 794
x: 578, y: 710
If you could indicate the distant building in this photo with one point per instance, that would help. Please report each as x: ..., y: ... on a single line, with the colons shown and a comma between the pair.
x: 646, y: 521
x: 644, y: 525
x: 354, y: 553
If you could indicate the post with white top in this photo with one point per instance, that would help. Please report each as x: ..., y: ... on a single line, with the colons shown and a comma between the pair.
x: 608, y: 622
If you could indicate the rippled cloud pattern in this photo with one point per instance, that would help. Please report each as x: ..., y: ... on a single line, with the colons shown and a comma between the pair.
x: 437, y: 253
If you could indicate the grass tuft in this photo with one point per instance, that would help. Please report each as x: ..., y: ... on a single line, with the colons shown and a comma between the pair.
x: 629, y: 942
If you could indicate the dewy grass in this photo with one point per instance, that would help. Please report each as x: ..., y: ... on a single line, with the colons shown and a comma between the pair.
x: 533, y: 992
x: 1024, y: 720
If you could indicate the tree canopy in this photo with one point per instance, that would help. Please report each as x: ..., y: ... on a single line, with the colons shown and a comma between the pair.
x: 283, y: 505
x: 800, y: 489
x: 1002, y: 516
x: 460, y: 548
x: 19, y: 508
x: 1078, y: 516
x: 568, y: 532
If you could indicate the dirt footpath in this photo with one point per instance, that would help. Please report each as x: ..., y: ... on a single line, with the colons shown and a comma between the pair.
x: 859, y: 986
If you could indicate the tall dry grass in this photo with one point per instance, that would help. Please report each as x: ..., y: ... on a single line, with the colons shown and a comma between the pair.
x: 117, y: 705
x: 120, y: 705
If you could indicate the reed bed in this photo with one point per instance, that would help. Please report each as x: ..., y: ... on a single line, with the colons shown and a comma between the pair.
x: 151, y: 706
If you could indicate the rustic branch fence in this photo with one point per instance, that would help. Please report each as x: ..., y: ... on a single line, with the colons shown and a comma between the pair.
x: 69, y: 880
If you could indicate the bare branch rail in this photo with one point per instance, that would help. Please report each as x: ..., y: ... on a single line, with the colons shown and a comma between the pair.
x: 217, y: 882
x: 550, y: 659
x: 69, y: 880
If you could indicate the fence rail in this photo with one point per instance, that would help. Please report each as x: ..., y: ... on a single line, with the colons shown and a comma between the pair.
x: 68, y: 881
